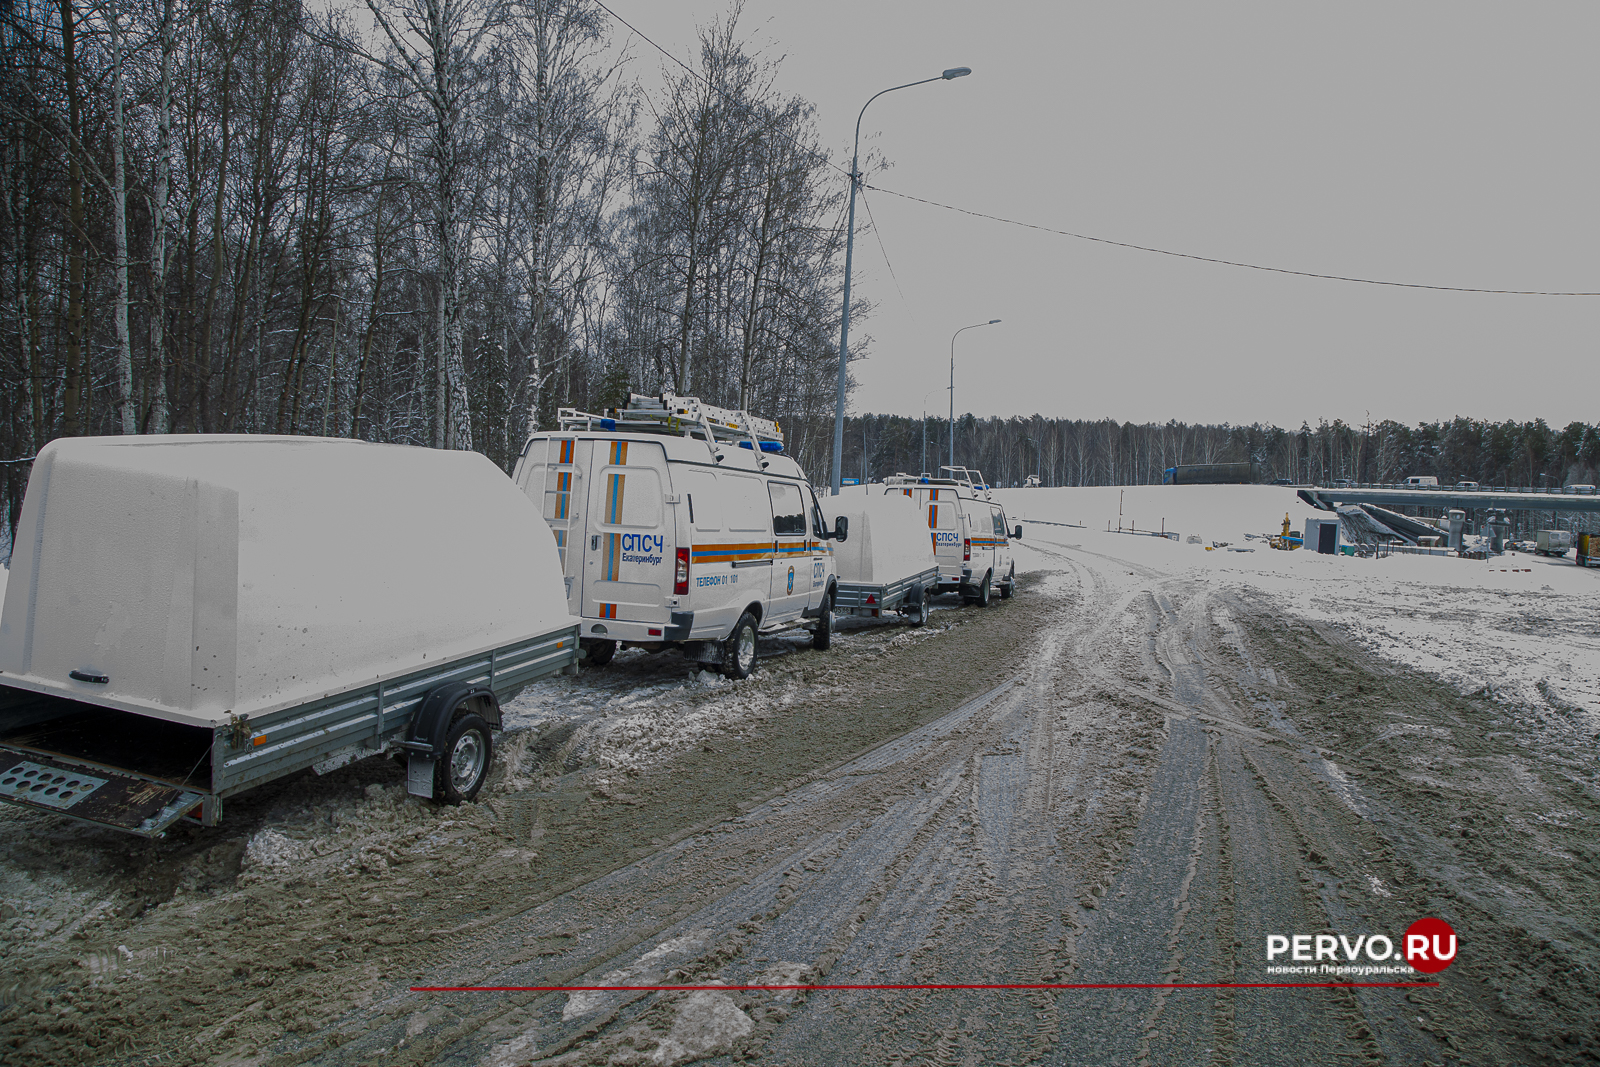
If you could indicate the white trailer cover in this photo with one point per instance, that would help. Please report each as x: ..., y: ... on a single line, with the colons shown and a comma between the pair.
x: 203, y: 575
x: 888, y: 539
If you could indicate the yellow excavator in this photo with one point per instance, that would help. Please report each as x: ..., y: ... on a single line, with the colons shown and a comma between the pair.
x: 1287, y: 541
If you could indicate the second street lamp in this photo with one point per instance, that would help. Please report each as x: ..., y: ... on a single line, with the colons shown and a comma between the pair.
x: 953, y: 337
x: 849, y: 249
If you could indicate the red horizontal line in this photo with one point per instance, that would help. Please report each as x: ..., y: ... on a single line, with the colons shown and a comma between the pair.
x: 923, y: 985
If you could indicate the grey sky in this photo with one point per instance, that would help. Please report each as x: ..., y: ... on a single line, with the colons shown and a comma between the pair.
x: 1449, y: 144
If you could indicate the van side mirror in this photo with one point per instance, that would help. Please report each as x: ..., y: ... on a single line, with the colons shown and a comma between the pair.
x: 841, y: 528
x: 1018, y: 532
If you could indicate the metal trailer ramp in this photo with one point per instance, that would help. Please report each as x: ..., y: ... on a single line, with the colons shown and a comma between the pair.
x: 97, y: 795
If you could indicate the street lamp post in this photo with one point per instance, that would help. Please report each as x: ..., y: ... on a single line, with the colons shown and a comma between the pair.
x: 953, y: 337
x: 849, y: 250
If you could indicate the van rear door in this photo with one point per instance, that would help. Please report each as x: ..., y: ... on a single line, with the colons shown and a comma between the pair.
x: 629, y: 554
x: 945, y: 527
x: 550, y: 474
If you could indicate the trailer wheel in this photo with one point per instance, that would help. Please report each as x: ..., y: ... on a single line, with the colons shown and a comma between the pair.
x: 822, y: 633
x: 917, y: 606
x: 739, y: 650
x: 597, y: 652
x: 468, y: 751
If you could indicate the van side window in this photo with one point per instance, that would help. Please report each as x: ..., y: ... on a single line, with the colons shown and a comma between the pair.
x: 788, y: 512
x: 746, y: 502
x: 819, y: 525
x: 999, y: 522
x: 700, y: 487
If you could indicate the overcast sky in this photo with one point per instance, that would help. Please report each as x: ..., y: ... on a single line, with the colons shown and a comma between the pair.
x: 1445, y: 144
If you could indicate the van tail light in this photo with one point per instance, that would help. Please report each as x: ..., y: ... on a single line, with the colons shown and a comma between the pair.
x: 680, y: 576
x: 966, y: 550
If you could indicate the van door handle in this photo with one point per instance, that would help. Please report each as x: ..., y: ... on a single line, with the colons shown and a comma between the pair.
x: 594, y: 542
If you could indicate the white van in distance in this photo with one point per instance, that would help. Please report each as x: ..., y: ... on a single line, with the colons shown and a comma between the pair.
x: 682, y: 525
x: 971, y: 540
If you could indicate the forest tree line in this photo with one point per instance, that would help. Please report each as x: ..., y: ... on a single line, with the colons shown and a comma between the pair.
x: 1108, y: 452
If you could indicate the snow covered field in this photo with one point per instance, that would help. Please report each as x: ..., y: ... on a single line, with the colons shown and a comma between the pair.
x: 1524, y: 628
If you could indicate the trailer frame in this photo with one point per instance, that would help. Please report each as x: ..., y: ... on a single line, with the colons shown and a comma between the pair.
x: 48, y: 740
x: 874, y: 600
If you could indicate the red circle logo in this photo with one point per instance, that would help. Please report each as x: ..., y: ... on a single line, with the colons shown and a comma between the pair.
x: 1430, y: 945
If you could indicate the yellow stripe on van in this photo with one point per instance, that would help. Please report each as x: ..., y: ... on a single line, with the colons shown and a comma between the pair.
x: 732, y: 553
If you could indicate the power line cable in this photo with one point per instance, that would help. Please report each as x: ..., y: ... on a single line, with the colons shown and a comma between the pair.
x: 1220, y: 262
x: 878, y: 235
x: 1099, y: 240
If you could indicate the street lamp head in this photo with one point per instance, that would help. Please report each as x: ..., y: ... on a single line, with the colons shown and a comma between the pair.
x: 956, y: 72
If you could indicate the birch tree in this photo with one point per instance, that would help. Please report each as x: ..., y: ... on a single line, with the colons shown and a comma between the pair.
x: 127, y: 410
x: 437, y: 49
x: 160, y: 195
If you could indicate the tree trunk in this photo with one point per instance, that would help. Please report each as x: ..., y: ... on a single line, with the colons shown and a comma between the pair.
x: 156, y: 417
x: 72, y: 391
x: 119, y: 223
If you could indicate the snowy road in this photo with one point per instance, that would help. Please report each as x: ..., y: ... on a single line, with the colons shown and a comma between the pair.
x: 1133, y: 806
x: 1130, y: 773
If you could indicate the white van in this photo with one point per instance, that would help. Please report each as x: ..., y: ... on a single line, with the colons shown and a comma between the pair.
x: 1422, y: 479
x: 682, y: 525
x: 971, y: 539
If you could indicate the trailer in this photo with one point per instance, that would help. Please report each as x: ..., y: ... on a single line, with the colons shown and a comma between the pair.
x: 189, y: 617
x: 1210, y: 474
x: 887, y: 566
x: 1589, y: 550
x: 1553, y: 543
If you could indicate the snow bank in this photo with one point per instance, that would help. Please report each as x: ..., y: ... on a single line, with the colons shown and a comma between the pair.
x: 888, y: 538
x: 1523, y: 628
x: 1211, y: 512
x: 203, y: 575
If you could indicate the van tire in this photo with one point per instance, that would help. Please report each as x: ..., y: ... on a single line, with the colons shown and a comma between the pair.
x: 917, y: 606
x: 464, y: 766
x: 739, y: 650
x: 597, y: 652
x: 981, y: 597
x: 1009, y: 586
x: 822, y: 633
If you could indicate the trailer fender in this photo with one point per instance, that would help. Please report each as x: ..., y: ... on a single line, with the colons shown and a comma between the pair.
x: 430, y: 725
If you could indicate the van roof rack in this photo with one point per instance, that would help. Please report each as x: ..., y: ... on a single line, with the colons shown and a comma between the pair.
x: 680, y: 416
x: 959, y: 477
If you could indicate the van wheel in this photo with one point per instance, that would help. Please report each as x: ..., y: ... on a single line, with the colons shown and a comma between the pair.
x: 1008, y: 587
x: 468, y: 752
x: 822, y: 633
x: 981, y: 597
x: 739, y: 650
x: 917, y: 606
x: 596, y: 652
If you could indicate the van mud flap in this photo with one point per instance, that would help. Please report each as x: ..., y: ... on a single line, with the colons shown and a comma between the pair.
x: 99, y: 796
